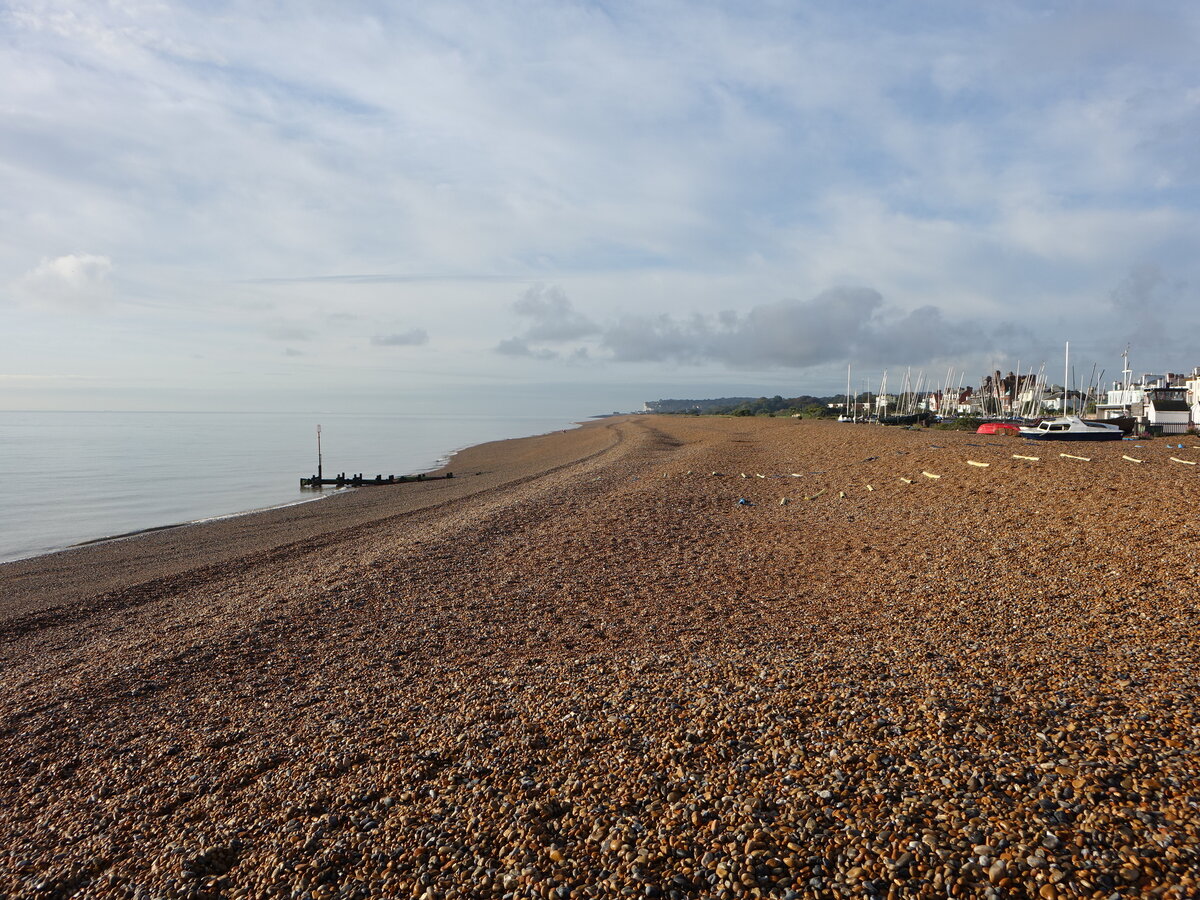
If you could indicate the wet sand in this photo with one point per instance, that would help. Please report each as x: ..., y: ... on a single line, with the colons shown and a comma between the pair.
x: 583, y: 668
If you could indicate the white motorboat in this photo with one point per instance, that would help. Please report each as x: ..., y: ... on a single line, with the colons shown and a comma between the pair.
x: 1072, y: 428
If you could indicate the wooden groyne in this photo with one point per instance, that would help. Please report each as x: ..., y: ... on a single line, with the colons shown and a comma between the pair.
x: 344, y: 480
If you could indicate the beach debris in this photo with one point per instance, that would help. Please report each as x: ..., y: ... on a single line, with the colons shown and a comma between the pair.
x: 797, y: 475
x: 743, y: 474
x: 816, y: 495
x: 930, y: 475
x: 742, y: 501
x: 1186, y: 462
x: 974, y: 462
x: 1133, y: 459
x: 869, y: 488
x: 906, y: 480
x: 871, y: 459
x: 783, y: 501
x: 717, y: 475
x: 756, y: 475
x: 842, y: 494
x: 1080, y: 458
x: 1030, y: 458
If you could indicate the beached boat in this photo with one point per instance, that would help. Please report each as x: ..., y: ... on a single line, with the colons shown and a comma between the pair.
x: 1072, y: 428
x: 997, y: 428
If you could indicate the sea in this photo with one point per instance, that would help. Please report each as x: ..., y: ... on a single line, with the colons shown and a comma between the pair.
x: 71, y: 477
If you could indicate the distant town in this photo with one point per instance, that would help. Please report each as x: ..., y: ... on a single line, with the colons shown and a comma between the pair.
x: 1151, y: 404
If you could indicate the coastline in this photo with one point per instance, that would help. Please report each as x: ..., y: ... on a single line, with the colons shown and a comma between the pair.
x: 119, y: 562
x: 588, y: 666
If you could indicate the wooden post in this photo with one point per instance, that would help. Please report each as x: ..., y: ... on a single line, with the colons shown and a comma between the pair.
x: 318, y: 454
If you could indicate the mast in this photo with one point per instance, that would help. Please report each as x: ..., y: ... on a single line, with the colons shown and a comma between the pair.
x: 847, y: 390
x: 318, y: 453
x: 1066, y: 374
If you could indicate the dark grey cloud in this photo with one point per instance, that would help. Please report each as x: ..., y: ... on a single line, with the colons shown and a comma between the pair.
x: 840, y: 323
x: 551, y: 315
x: 413, y: 338
x: 1151, y: 310
x: 517, y: 346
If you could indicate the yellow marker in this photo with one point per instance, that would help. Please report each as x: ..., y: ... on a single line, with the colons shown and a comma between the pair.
x: 906, y: 480
x: 930, y: 475
x: 1186, y: 462
x: 756, y: 475
x: 743, y: 474
x: 841, y: 494
x: 783, y: 501
x: 869, y: 488
x: 1132, y: 459
x: 982, y: 465
x: 797, y: 475
x: 1031, y: 458
x: 1080, y: 458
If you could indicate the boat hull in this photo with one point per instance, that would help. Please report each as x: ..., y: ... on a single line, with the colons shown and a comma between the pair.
x: 1066, y: 436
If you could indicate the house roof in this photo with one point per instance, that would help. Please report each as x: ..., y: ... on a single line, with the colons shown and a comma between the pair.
x: 1169, y: 405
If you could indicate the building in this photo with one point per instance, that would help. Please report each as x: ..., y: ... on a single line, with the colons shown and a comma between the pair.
x: 1167, y: 410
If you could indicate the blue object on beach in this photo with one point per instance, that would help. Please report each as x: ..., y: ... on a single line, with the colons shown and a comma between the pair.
x: 742, y: 501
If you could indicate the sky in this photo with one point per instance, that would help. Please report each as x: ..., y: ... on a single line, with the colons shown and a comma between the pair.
x: 578, y: 206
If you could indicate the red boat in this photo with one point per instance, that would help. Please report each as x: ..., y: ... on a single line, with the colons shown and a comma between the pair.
x: 997, y: 428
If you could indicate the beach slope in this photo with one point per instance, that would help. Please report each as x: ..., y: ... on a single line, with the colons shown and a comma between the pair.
x: 653, y: 656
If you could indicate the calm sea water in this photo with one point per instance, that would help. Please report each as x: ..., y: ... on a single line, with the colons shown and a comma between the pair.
x: 68, y: 477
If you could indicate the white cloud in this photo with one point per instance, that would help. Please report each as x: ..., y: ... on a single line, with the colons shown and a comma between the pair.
x: 77, y: 279
x: 999, y: 162
x: 412, y: 338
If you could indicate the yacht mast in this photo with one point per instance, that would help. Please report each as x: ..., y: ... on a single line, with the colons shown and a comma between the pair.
x: 1066, y: 374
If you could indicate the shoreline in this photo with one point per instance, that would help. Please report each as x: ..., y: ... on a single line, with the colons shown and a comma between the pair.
x: 74, y: 573
x: 138, y: 509
x: 653, y: 656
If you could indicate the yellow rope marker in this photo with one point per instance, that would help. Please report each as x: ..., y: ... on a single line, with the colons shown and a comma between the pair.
x: 797, y: 475
x: 1080, y: 458
x: 906, y: 480
x: 783, y: 501
x: 869, y: 488
x: 1186, y: 462
x: 756, y: 475
x: 1132, y: 459
x: 930, y: 475
x: 982, y: 465
x: 842, y: 494
x: 1031, y: 458
x: 743, y: 474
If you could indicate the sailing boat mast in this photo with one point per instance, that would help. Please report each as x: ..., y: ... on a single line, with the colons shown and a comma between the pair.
x: 847, y: 391
x: 1066, y: 374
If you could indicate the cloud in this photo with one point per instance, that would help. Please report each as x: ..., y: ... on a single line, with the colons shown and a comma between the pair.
x: 553, y: 317
x: 519, y: 347
x: 414, y: 338
x: 1150, y: 311
x: 288, y: 331
x: 292, y: 351
x: 77, y: 279
x: 840, y: 323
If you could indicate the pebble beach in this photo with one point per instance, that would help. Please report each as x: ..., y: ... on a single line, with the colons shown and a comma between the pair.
x: 654, y: 656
